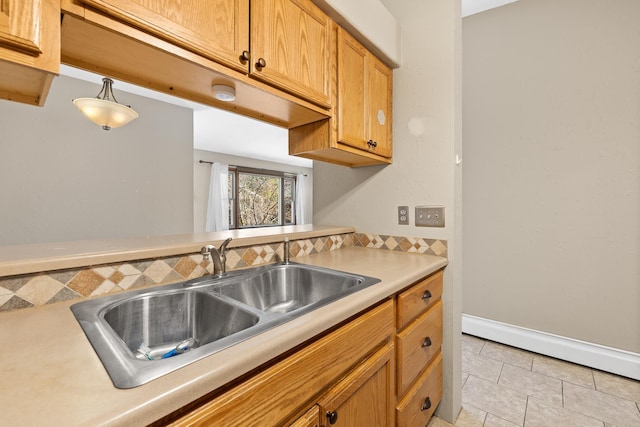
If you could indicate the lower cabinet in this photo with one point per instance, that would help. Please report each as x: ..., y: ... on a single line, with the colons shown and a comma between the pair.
x: 381, y: 368
x: 418, y: 351
x: 311, y: 418
x: 363, y: 397
x: 286, y: 390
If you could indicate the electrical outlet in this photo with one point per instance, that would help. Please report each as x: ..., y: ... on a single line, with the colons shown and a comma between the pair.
x: 403, y: 215
x: 429, y: 216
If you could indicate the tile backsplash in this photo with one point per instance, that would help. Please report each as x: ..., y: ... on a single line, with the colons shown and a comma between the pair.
x: 37, y: 289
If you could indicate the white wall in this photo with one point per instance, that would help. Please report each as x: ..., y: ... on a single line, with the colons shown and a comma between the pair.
x: 552, y: 168
x: 426, y: 116
x: 202, y: 179
x: 64, y: 178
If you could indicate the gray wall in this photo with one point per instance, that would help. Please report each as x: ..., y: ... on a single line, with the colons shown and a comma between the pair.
x: 202, y: 179
x: 426, y: 137
x: 552, y: 168
x: 64, y: 178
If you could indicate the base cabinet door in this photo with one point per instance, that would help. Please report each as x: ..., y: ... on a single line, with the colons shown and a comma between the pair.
x: 363, y: 397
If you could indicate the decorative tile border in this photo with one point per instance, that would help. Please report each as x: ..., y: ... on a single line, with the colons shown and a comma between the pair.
x: 38, y: 289
x: 33, y: 290
x: 402, y: 244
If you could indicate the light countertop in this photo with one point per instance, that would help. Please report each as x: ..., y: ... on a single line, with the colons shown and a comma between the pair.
x: 37, y: 257
x: 50, y: 374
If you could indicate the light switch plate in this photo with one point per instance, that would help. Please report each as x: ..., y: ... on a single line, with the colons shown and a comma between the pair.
x: 429, y: 216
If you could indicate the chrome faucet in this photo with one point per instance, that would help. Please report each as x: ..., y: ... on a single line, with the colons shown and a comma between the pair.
x: 218, y: 257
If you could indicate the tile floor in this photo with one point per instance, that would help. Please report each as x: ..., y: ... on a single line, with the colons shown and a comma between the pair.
x: 507, y: 387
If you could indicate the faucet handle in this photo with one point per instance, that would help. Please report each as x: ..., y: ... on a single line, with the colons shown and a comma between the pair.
x: 206, y: 250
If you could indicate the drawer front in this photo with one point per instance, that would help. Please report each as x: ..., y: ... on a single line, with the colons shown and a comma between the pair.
x: 417, y: 345
x: 418, y: 298
x: 421, y: 401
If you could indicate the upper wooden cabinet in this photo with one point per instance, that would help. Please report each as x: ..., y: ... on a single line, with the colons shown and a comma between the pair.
x: 290, y: 46
x: 359, y: 132
x: 215, y: 29
x: 364, y: 98
x: 289, y: 38
x: 29, y: 49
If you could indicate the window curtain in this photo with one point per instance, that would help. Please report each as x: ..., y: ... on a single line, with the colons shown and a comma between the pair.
x: 218, y: 204
x: 301, y: 199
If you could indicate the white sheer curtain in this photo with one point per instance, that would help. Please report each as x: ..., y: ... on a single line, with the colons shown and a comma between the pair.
x: 301, y: 199
x: 218, y: 204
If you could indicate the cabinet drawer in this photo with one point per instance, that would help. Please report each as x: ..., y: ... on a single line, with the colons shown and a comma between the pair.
x: 418, y: 298
x: 421, y: 401
x: 417, y: 345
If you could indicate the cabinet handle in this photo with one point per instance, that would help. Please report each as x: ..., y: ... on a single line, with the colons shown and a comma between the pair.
x: 246, y: 56
x: 372, y: 143
x: 332, y: 417
x: 427, y: 404
x: 427, y: 294
x: 261, y: 63
x: 426, y: 342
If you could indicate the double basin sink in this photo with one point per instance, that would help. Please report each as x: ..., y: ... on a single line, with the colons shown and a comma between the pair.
x: 144, y: 334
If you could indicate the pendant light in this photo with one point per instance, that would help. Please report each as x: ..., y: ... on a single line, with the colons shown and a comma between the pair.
x: 104, y: 110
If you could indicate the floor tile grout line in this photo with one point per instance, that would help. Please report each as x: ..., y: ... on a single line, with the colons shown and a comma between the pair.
x: 573, y: 411
x: 526, y: 408
x: 500, y: 374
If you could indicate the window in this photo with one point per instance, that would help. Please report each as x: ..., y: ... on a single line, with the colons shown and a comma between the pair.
x: 260, y: 198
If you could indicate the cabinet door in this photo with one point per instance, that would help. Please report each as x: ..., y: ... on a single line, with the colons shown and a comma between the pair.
x: 20, y: 24
x: 352, y: 75
x: 364, y: 98
x: 290, y: 47
x: 379, y: 107
x: 363, y: 397
x: 29, y: 49
x: 215, y: 29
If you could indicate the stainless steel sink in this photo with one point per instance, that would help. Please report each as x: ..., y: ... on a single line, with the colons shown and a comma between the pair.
x: 142, y: 335
x: 162, y: 321
x: 289, y: 287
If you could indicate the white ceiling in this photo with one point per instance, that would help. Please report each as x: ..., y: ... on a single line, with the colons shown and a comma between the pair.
x: 471, y: 7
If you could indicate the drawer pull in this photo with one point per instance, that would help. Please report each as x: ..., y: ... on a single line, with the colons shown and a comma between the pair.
x: 427, y: 294
x: 332, y: 417
x: 427, y: 404
x: 426, y: 342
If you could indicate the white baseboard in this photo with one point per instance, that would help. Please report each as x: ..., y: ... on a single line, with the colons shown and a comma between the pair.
x: 596, y: 356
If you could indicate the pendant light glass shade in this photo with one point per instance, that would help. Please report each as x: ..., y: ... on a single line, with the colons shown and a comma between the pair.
x: 104, y: 110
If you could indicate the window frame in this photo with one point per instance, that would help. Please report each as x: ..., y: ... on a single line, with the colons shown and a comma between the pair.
x: 234, y: 199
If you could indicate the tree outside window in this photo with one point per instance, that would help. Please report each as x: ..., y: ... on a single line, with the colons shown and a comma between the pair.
x: 260, y: 198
